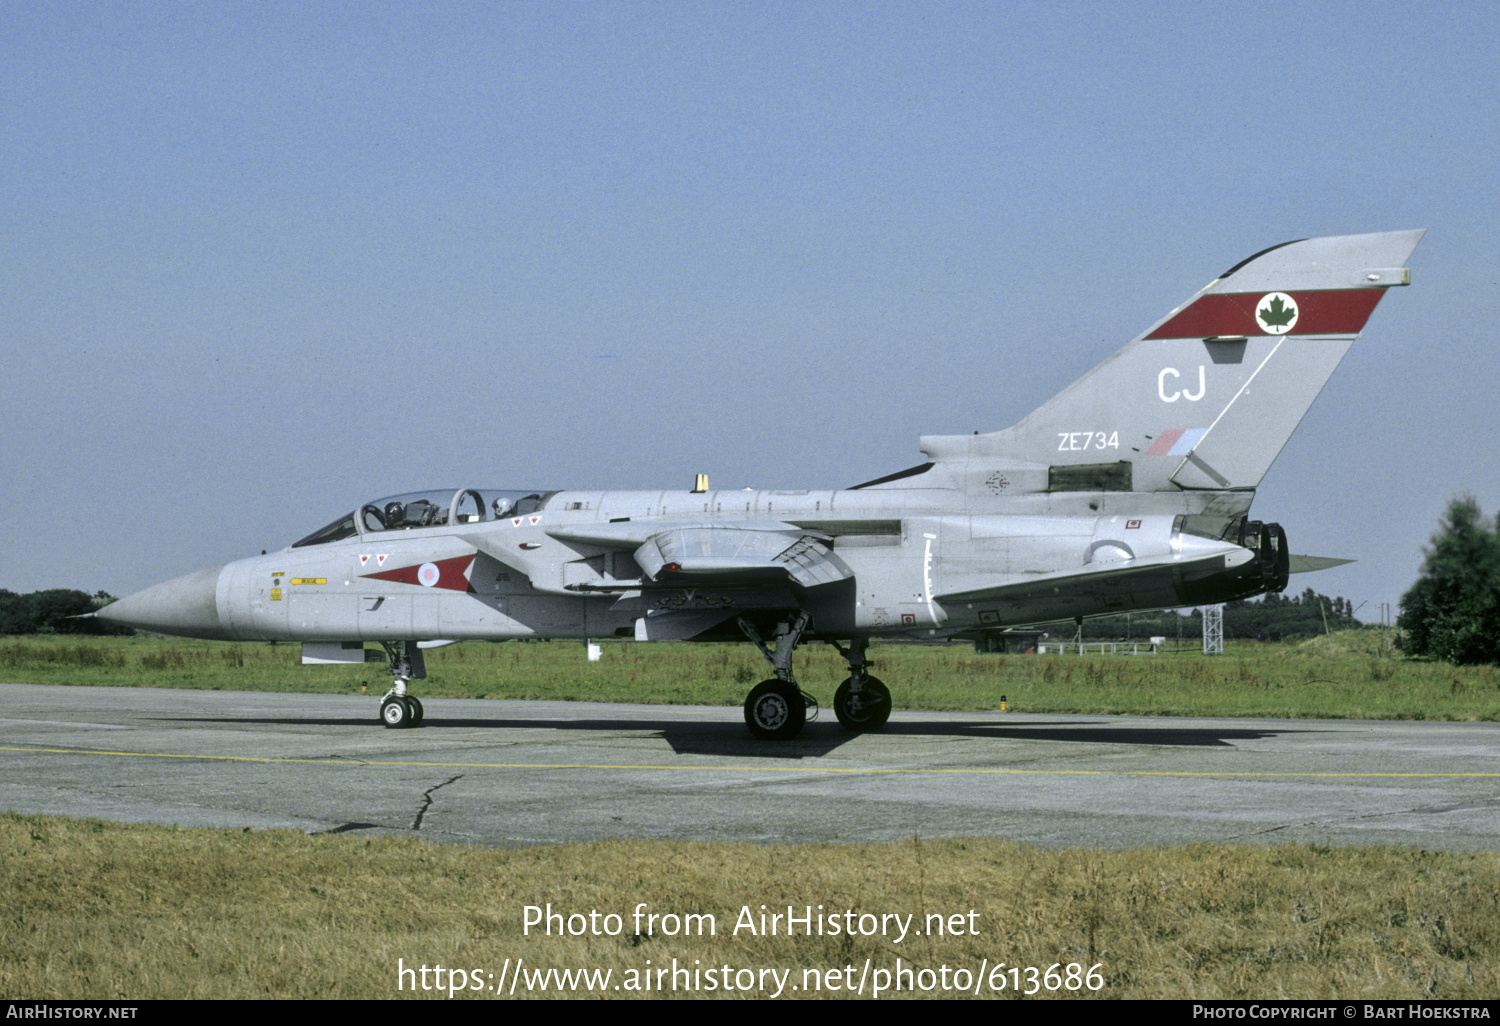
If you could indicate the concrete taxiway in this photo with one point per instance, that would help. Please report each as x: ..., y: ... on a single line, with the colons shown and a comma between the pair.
x: 518, y: 773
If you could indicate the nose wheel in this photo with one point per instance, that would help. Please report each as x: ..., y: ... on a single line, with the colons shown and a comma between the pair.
x: 398, y: 709
x: 396, y: 712
x: 401, y: 711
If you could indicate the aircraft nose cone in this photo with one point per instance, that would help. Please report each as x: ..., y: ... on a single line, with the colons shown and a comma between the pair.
x: 186, y: 607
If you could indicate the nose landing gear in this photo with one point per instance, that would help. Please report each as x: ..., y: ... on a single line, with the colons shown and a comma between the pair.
x: 397, y: 708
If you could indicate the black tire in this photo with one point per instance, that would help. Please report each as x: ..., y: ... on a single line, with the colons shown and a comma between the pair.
x: 416, y: 710
x: 395, y: 712
x: 871, y: 710
x: 775, y: 710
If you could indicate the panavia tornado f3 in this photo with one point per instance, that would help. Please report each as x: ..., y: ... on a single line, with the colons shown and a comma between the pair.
x: 1128, y: 491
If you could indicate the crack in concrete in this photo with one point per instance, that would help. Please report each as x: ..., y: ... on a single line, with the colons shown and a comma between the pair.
x: 416, y: 824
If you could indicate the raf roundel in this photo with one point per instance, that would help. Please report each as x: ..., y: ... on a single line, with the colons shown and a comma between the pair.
x: 428, y: 575
x: 1276, y: 313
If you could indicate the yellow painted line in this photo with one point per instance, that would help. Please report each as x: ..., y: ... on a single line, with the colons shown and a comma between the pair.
x: 738, y: 768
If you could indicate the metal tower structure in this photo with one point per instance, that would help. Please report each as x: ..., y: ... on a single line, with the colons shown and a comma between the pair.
x: 1213, y: 630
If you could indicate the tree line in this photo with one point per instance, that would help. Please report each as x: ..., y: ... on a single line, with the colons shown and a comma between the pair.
x: 1453, y: 611
x: 1269, y: 618
x: 49, y: 612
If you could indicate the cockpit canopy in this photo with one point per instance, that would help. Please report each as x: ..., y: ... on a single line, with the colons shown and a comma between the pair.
x: 435, y: 508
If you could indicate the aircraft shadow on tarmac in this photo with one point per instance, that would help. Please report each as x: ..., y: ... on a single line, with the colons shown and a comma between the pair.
x: 728, y: 737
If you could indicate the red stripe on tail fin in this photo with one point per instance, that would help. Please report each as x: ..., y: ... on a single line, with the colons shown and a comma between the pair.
x: 1327, y: 312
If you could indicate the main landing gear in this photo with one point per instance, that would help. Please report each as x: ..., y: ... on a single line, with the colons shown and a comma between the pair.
x: 776, y: 709
x: 862, y: 703
x: 397, y: 708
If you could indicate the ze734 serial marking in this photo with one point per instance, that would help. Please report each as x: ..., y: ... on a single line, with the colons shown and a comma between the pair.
x: 1074, y: 441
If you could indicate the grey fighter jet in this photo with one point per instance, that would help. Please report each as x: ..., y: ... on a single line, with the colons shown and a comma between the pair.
x: 1130, y: 490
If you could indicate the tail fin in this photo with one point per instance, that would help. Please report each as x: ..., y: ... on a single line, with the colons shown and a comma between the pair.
x: 1207, y: 397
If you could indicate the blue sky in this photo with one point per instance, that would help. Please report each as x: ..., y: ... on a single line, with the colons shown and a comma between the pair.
x: 266, y: 261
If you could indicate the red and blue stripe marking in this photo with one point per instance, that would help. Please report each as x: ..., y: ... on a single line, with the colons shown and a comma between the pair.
x: 1176, y: 442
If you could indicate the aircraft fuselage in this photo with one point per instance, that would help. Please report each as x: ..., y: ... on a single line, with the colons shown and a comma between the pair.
x: 566, y: 569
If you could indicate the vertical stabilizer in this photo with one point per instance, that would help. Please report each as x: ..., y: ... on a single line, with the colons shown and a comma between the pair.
x: 1207, y: 397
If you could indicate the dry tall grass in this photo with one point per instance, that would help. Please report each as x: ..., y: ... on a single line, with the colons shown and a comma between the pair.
x: 93, y: 910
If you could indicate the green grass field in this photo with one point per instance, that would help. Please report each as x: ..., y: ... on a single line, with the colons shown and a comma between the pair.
x: 1290, y: 679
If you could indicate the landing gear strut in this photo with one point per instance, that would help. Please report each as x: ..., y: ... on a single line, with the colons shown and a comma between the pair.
x: 397, y: 708
x: 862, y: 703
x: 777, y: 708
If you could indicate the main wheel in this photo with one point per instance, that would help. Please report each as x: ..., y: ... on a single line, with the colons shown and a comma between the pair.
x: 775, y: 710
x: 416, y: 710
x: 395, y: 712
x: 865, y: 711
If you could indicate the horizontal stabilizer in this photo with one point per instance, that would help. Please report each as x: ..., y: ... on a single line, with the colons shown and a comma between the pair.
x: 1018, y: 600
